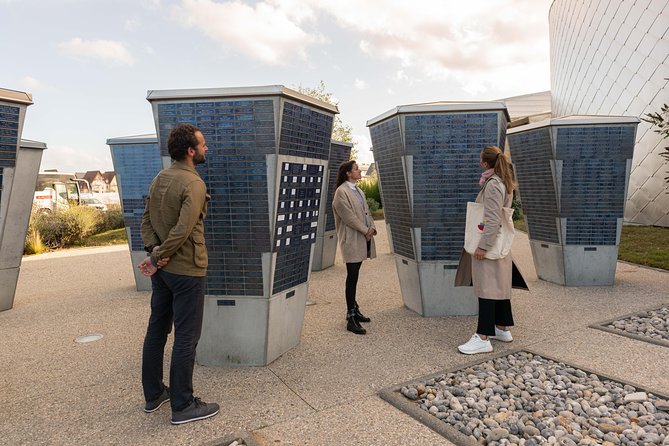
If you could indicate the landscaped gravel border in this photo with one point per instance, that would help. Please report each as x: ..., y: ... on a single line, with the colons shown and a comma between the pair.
x: 632, y: 393
x: 632, y: 320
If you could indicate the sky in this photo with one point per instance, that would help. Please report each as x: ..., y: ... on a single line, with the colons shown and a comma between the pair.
x: 89, y: 63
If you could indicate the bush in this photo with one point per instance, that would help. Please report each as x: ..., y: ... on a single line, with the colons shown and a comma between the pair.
x: 112, y: 219
x: 373, y: 205
x: 371, y: 189
x: 62, y: 228
x: 517, y: 210
x: 33, y: 243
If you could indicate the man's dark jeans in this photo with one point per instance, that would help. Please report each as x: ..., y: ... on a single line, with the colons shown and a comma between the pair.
x: 179, y: 298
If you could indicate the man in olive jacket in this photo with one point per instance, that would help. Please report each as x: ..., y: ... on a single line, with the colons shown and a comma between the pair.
x: 173, y: 235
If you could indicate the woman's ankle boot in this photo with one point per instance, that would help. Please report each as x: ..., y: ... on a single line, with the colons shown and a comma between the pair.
x: 359, y: 316
x: 353, y: 325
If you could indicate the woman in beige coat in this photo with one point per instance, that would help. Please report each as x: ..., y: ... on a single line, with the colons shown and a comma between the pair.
x: 355, y: 232
x: 492, y: 279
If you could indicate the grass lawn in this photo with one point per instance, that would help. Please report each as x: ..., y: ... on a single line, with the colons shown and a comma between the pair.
x: 113, y: 237
x: 644, y: 245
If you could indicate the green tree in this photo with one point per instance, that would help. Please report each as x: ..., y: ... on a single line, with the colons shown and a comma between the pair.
x: 340, y: 131
x: 661, y: 121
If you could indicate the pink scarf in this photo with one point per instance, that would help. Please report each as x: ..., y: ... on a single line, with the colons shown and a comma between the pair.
x: 485, y: 175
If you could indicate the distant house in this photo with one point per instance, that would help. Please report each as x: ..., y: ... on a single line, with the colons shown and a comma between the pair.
x: 101, y: 182
x: 110, y: 179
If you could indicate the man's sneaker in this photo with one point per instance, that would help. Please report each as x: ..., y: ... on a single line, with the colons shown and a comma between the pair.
x: 196, y: 410
x: 502, y: 335
x: 152, y: 406
x: 475, y: 345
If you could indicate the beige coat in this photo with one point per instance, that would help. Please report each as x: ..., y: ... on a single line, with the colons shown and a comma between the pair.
x: 492, y: 279
x: 350, y: 223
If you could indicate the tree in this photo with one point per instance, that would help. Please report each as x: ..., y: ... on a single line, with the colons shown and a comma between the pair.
x: 661, y: 121
x: 340, y: 131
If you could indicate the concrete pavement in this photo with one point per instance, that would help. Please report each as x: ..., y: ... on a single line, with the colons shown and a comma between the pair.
x: 323, y: 392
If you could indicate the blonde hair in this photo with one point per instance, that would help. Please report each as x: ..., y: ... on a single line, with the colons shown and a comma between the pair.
x: 498, y: 160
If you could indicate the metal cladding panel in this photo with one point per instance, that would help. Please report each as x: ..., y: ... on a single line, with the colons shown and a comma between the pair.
x: 135, y: 165
x: 389, y: 155
x: 594, y: 167
x: 610, y: 58
x: 532, y: 155
x: 446, y: 150
x: 339, y: 153
x: 305, y: 132
x: 297, y: 220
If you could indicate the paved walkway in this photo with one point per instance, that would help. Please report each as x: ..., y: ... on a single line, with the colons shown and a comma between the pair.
x: 323, y: 392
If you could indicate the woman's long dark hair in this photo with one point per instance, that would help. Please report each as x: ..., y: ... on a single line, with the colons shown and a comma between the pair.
x: 498, y: 160
x: 343, y: 170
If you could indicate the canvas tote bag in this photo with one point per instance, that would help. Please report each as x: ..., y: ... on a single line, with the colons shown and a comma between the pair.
x: 474, y: 229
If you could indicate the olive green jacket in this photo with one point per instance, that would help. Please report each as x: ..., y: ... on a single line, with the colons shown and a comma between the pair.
x: 172, y: 220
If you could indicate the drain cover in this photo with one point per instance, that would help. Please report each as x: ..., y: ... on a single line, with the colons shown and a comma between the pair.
x: 88, y: 338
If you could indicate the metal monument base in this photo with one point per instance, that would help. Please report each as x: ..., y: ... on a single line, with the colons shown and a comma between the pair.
x: 427, y: 289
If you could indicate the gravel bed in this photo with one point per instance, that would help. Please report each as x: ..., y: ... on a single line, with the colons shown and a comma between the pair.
x: 524, y: 399
x: 653, y: 324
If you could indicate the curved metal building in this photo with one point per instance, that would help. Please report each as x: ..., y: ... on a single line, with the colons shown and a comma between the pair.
x: 612, y: 58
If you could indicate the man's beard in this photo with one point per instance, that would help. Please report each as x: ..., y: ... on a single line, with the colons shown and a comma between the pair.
x: 198, y: 159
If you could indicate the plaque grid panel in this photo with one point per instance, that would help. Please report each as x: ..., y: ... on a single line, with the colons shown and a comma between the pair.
x: 136, y: 165
x: 339, y: 154
x: 593, y: 180
x: 239, y: 134
x: 9, y: 138
x: 532, y: 154
x: 388, y: 154
x: 297, y: 221
x: 305, y: 132
x: 446, y: 151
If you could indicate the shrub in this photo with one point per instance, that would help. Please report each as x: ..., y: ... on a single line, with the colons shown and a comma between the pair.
x: 373, y: 205
x: 371, y: 189
x: 33, y: 243
x: 112, y: 219
x: 62, y: 228
x: 517, y: 210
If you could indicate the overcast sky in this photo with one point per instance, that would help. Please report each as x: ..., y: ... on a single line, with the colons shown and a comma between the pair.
x: 89, y: 63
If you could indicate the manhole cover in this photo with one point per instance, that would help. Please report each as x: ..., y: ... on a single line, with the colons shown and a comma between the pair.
x: 88, y: 338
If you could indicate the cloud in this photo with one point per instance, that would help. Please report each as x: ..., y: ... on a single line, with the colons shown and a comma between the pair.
x: 271, y: 31
x: 360, y: 84
x: 31, y: 83
x: 132, y: 24
x: 151, y: 4
x: 107, y: 51
x: 446, y: 40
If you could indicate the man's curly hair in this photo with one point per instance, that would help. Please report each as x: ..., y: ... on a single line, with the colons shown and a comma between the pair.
x: 181, y: 138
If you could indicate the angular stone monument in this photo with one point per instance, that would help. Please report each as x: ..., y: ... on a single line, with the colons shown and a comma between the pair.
x: 427, y: 158
x: 572, y: 175
x: 19, y: 163
x: 268, y: 152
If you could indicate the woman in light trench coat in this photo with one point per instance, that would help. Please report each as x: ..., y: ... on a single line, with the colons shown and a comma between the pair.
x: 492, y: 279
x: 355, y: 232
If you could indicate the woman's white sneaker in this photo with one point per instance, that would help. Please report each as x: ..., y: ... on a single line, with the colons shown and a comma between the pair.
x: 502, y: 335
x: 475, y: 345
